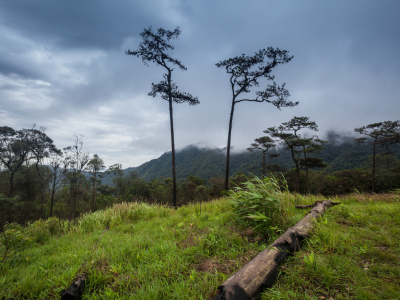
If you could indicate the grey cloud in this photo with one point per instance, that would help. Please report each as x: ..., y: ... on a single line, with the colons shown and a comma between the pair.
x: 345, y: 70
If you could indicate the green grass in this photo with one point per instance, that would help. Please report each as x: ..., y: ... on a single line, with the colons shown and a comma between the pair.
x: 154, y: 252
x: 356, y: 251
x: 148, y: 252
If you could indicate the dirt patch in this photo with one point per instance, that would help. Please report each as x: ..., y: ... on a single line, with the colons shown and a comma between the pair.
x: 226, y: 266
x: 250, y: 236
x: 382, y: 247
x: 207, y: 265
x: 102, y: 265
x: 345, y: 222
x: 188, y: 242
x: 194, y: 237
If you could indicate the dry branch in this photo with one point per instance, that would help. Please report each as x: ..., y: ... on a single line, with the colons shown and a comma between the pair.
x: 261, y: 271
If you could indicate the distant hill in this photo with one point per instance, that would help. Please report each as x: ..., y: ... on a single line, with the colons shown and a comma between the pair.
x: 208, y: 161
x: 205, y: 161
x: 107, y: 178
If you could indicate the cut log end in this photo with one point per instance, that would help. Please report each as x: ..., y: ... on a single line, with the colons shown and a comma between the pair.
x: 75, y: 290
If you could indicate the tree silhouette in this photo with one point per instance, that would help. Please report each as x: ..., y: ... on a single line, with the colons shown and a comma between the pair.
x: 245, y: 72
x: 14, y: 150
x: 381, y: 133
x: 77, y: 160
x: 311, y: 146
x: 274, y: 168
x: 42, y: 147
x: 153, y: 48
x: 58, y: 167
x: 118, y: 178
x: 94, y: 167
x: 288, y: 132
x: 263, y: 143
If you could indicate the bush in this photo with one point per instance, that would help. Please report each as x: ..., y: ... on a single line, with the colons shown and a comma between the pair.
x: 13, y: 240
x: 53, y: 225
x: 261, y: 203
x: 38, y: 231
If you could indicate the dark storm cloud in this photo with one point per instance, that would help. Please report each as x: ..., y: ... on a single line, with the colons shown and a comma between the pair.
x: 76, y: 24
x: 62, y: 65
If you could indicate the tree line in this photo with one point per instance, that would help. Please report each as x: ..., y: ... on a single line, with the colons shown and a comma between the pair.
x: 383, y: 137
x: 38, y: 180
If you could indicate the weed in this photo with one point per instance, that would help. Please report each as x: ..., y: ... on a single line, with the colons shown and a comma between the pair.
x: 261, y: 203
x: 310, y: 259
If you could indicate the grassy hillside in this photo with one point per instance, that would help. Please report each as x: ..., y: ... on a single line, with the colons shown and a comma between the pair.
x: 141, y: 251
x: 354, y: 253
x: 134, y: 251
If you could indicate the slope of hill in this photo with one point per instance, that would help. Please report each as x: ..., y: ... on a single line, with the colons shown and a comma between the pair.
x: 207, y: 162
x: 192, y: 160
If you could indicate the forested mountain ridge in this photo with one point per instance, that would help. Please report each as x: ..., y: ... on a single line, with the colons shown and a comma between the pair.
x: 210, y: 162
x: 201, y: 162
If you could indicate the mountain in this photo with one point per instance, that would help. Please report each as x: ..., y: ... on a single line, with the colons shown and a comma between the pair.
x: 196, y: 159
x: 205, y: 161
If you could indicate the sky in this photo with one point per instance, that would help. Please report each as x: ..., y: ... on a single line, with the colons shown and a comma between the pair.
x: 63, y: 66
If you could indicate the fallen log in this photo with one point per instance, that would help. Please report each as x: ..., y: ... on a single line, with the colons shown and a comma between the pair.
x: 75, y: 290
x: 261, y: 271
x: 312, y: 205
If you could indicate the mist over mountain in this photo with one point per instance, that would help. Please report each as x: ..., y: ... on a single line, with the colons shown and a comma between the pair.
x: 334, y: 137
x: 205, y: 160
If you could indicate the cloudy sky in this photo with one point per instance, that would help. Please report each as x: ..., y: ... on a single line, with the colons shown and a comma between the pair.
x: 63, y: 66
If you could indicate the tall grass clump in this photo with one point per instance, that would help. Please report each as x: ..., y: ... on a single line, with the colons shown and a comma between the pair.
x: 262, y: 204
x: 119, y: 214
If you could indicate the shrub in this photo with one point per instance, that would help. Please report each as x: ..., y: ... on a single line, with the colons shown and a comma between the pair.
x: 39, y: 232
x: 13, y: 240
x: 261, y: 203
x: 53, y: 225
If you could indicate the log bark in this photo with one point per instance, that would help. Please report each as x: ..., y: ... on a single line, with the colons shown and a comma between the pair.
x: 261, y: 271
x: 75, y: 290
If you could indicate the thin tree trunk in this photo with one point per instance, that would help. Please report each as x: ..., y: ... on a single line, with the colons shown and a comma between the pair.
x: 172, y: 142
x: 52, y: 197
x: 373, y: 169
x: 42, y: 201
x: 81, y: 202
x: 297, y: 186
x: 263, y: 163
x: 308, y: 183
x: 42, y: 193
x: 298, y: 178
x: 94, y: 193
x: 228, y: 148
x: 11, y: 192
